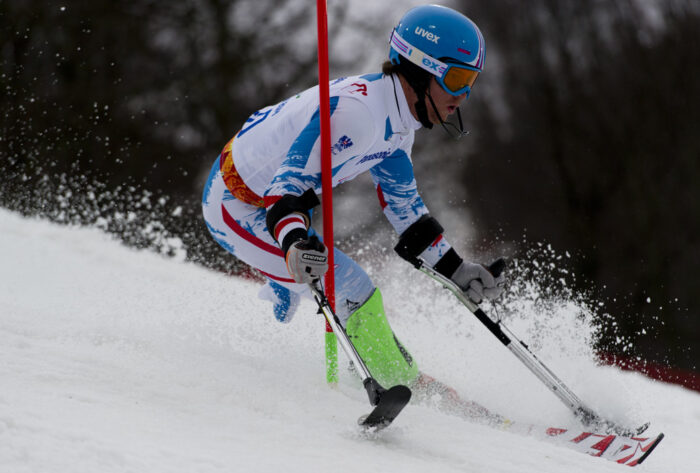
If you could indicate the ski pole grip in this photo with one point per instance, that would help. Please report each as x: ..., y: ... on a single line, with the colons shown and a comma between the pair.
x: 497, y: 267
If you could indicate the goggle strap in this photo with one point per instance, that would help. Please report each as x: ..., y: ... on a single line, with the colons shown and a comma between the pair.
x: 416, y: 56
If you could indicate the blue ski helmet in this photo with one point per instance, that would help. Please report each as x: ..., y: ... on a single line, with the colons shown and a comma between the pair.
x: 442, y: 42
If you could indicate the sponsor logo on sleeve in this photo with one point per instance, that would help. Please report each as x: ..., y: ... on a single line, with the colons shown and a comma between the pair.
x: 279, y: 107
x: 343, y: 143
x: 370, y: 157
x: 357, y: 87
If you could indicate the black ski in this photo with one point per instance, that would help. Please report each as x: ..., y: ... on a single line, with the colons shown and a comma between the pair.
x: 390, y: 404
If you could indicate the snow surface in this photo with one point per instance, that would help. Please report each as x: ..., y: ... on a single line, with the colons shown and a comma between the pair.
x: 115, y: 360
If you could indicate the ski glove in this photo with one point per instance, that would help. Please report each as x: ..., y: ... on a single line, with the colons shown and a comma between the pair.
x: 477, y: 282
x: 307, y: 260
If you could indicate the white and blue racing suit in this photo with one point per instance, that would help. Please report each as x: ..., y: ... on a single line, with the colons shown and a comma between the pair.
x: 276, y: 153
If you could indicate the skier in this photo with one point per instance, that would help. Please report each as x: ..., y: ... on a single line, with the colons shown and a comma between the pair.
x: 262, y: 188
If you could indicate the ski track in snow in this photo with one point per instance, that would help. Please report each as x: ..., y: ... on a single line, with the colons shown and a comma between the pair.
x: 116, y: 360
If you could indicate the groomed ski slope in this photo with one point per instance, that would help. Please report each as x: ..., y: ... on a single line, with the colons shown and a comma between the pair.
x: 114, y: 360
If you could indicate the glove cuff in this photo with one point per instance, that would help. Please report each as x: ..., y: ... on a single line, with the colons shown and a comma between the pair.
x: 448, y: 264
x: 292, y: 236
x: 281, y: 207
x: 417, y: 237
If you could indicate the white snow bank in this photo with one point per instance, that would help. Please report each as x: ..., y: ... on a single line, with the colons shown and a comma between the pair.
x: 114, y: 360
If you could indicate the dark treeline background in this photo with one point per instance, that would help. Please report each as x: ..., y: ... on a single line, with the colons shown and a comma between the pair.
x: 600, y: 153
x: 584, y: 130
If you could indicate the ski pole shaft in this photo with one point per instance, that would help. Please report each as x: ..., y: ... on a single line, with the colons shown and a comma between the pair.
x: 339, y: 331
x: 373, y: 388
x: 520, y: 350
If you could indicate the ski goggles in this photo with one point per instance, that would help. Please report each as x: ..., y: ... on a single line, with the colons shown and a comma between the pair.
x: 455, y: 79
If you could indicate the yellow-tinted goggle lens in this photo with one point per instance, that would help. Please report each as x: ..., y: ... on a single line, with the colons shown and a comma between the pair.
x: 458, y: 78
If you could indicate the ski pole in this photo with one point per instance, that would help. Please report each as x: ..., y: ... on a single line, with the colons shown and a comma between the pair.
x: 388, y: 402
x: 374, y: 389
x: 521, y: 351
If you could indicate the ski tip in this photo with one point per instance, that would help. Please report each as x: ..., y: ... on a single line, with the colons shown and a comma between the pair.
x: 651, y: 448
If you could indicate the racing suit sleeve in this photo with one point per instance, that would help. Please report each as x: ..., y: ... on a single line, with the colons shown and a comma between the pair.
x: 403, y: 206
x: 299, y: 175
x: 352, y: 132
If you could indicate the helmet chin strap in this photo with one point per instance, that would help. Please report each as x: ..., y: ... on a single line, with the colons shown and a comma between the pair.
x: 421, y: 109
x: 417, y: 80
x: 453, y: 131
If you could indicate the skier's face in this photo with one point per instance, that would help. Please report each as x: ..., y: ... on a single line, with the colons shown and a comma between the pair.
x: 445, y: 103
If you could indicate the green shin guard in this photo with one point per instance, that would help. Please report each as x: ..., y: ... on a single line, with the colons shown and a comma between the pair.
x: 369, y: 331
